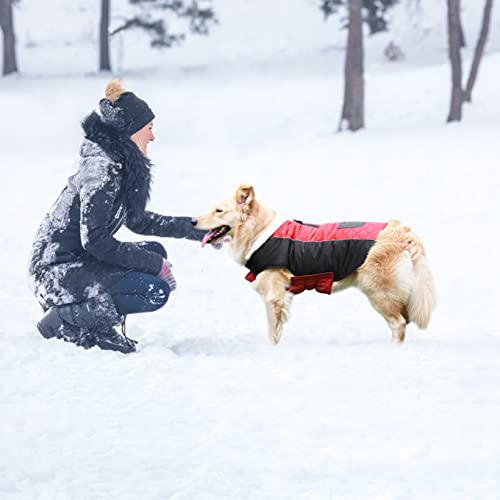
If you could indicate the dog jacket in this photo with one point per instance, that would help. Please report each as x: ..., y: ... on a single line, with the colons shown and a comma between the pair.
x: 317, y: 255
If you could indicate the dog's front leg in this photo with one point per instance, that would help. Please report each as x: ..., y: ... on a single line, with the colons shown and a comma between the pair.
x: 276, y: 318
x: 272, y: 285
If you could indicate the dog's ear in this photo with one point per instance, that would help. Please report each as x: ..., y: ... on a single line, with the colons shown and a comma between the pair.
x: 245, y: 195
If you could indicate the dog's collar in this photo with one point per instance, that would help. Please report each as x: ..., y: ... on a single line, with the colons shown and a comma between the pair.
x: 265, y: 235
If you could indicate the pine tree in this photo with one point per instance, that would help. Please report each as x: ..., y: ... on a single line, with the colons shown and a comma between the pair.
x: 374, y: 15
x: 151, y: 17
x: 373, y: 12
x: 198, y: 13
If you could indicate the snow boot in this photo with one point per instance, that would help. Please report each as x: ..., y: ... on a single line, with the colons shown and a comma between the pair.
x: 106, y: 327
x: 60, y: 322
x: 87, y: 324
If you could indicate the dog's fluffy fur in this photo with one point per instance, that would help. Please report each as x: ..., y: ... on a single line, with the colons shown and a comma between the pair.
x: 395, y: 277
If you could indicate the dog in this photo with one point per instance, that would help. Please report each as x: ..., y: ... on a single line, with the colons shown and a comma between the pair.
x: 386, y: 261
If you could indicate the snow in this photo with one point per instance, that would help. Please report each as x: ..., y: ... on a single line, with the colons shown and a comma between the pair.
x: 207, y: 408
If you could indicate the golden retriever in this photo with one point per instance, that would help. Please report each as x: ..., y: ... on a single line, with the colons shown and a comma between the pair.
x: 394, y: 273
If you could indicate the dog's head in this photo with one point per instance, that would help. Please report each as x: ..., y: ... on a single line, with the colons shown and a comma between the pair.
x: 228, y: 215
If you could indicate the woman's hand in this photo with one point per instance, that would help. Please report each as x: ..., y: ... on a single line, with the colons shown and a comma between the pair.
x: 167, y: 275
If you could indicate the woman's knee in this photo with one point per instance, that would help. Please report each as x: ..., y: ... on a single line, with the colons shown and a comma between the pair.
x: 156, y: 247
x: 157, y: 295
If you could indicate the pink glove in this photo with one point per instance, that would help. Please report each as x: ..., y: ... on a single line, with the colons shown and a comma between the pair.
x: 167, y: 275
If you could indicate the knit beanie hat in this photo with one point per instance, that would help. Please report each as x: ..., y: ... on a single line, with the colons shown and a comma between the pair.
x: 124, y: 110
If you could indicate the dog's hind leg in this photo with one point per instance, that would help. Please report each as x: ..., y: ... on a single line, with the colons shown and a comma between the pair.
x: 397, y: 325
x: 393, y: 312
x: 390, y: 303
x: 272, y: 286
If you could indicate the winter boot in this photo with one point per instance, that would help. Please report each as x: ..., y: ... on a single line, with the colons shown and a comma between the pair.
x: 105, y: 329
x: 123, y: 328
x: 61, y: 322
x: 87, y: 324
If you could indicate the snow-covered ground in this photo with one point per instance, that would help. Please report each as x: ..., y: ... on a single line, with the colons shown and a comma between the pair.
x: 207, y: 409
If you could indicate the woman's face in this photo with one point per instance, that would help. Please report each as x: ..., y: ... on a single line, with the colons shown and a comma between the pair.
x: 143, y: 137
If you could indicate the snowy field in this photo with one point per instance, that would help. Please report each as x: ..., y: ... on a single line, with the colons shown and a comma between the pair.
x: 207, y: 409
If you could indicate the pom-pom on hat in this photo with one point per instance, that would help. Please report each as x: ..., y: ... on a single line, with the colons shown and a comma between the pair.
x: 123, y: 109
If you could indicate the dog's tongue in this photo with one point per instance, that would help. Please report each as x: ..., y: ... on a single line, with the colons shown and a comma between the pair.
x: 206, y: 238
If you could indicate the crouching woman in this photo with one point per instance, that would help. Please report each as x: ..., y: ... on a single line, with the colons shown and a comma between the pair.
x: 86, y: 280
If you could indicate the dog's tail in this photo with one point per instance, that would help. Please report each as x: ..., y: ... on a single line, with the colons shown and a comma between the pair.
x: 423, y: 296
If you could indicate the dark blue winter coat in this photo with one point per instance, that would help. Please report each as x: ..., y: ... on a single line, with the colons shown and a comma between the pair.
x: 75, y: 254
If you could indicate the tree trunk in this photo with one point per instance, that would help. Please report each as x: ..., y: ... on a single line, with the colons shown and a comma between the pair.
x: 353, y: 109
x: 456, y: 60
x: 463, y: 43
x: 104, y: 59
x: 478, y: 53
x: 9, y: 37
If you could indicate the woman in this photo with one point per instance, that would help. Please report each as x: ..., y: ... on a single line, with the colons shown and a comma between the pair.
x: 85, y: 279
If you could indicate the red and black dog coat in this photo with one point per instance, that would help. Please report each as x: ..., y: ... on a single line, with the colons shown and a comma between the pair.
x: 317, y: 255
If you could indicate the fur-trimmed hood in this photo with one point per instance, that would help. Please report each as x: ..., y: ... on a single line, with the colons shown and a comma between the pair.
x: 126, y: 155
